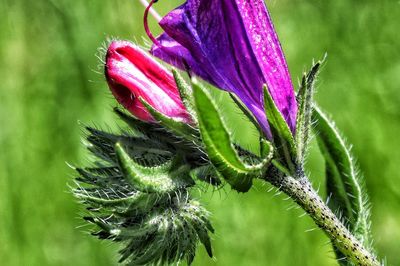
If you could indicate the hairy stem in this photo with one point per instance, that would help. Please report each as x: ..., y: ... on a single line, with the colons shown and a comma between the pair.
x: 301, y: 191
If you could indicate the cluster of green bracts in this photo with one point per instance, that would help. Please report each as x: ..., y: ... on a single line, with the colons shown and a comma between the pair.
x: 139, y: 190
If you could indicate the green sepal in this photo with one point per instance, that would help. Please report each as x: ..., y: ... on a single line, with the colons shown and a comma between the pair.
x: 163, y: 178
x: 185, y: 92
x: 282, y: 135
x: 344, y: 185
x: 304, y: 112
x: 179, y: 128
x: 218, y: 143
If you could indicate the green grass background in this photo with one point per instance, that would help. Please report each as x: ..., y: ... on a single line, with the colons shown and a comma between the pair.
x: 50, y: 79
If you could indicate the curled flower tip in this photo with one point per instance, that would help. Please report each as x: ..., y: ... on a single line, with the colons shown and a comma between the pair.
x: 153, y: 12
x: 145, y: 19
x: 132, y: 74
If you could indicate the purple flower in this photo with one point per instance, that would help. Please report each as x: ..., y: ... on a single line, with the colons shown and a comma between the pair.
x: 233, y: 45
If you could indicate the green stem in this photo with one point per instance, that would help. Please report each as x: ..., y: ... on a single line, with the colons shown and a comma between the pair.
x: 301, y: 191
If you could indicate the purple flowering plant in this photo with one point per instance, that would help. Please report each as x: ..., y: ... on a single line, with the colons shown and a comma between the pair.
x: 138, y: 192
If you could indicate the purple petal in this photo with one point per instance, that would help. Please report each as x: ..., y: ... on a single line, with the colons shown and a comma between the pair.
x: 233, y: 45
x: 175, y: 54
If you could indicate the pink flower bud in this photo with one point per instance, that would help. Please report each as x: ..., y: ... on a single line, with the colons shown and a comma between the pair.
x: 131, y: 73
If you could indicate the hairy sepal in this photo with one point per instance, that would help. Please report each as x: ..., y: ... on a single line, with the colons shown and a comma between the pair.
x: 179, y: 128
x: 305, y: 106
x: 285, y: 147
x: 185, y: 92
x: 219, y: 146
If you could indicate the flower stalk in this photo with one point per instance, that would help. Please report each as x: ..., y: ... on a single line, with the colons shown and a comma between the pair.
x: 301, y: 192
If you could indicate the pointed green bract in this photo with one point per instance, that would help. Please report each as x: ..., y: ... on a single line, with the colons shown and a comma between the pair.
x: 344, y: 184
x: 304, y: 113
x: 282, y: 135
x: 203, y: 235
x: 185, y: 91
x: 218, y: 143
x: 181, y: 129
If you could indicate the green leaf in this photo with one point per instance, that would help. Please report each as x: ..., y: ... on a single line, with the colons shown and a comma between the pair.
x: 180, y: 128
x: 344, y: 184
x: 218, y: 143
x: 282, y: 135
x: 304, y: 113
x: 185, y: 91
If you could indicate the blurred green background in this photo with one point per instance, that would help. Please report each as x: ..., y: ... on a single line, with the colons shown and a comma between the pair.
x: 50, y: 79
